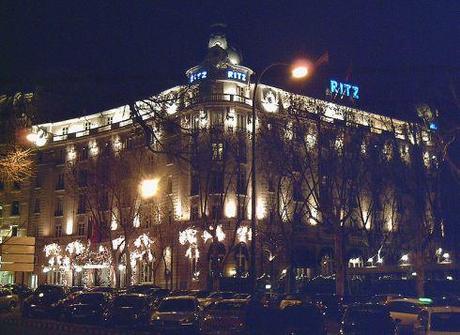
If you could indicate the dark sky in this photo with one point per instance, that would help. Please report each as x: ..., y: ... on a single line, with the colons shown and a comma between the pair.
x: 87, y: 56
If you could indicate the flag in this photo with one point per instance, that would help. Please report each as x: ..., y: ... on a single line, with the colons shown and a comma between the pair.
x: 324, y: 59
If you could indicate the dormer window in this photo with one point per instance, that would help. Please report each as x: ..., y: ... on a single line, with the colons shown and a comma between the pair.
x: 87, y: 125
x: 65, y: 130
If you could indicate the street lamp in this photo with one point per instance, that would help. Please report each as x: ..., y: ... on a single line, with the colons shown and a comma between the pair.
x: 148, y: 188
x: 298, y: 71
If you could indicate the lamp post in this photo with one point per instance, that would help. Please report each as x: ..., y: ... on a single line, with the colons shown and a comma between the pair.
x: 299, y: 71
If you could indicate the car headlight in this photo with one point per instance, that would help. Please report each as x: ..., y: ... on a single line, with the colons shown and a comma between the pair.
x: 155, y: 317
x: 135, y: 316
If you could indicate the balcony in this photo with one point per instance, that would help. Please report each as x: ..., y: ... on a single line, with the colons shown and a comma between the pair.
x: 209, y: 98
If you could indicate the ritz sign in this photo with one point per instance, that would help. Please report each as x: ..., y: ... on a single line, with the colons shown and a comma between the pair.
x: 198, y: 76
x: 344, y: 89
x: 236, y: 75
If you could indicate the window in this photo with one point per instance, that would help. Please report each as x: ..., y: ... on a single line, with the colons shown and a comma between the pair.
x: 87, y: 125
x: 241, y: 210
x: 37, y: 206
x: 216, y: 184
x: 194, y: 213
x: 169, y: 186
x: 109, y: 120
x: 81, y: 204
x: 59, y: 207
x: 241, y: 151
x: 241, y: 183
x: 2, y: 186
x: 195, y: 183
x: 195, y: 122
x: 217, y: 151
x: 15, y: 208
x: 58, y: 230
x: 240, y: 91
x: 241, y: 122
x: 60, y: 156
x: 84, y: 153
x: 16, y: 186
x: 81, y: 228
x: 297, y: 191
x: 38, y: 181
x: 216, y: 212
x: 60, y: 182
x: 217, y: 119
x: 14, y: 230
x: 82, y: 178
x: 65, y: 130
x: 271, y: 184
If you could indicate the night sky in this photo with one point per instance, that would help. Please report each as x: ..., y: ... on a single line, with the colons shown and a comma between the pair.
x: 85, y: 57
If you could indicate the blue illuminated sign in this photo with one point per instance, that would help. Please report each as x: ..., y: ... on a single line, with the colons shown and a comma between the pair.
x: 433, y: 126
x: 231, y: 74
x: 198, y: 76
x: 344, y: 89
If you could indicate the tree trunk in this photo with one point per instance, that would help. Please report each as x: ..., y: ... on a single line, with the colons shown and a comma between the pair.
x: 339, y: 263
x: 129, y: 270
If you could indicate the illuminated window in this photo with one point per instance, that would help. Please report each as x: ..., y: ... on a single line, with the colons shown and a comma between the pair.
x: 217, y: 151
x: 217, y: 119
x: 87, y: 125
x: 65, y: 130
x: 109, y: 120
x: 241, y: 122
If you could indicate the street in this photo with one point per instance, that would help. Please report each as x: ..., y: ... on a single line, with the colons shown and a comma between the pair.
x: 12, y: 323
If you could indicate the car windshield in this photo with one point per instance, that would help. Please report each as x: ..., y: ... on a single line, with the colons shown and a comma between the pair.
x: 126, y: 301
x: 227, y: 306
x: 445, y: 322
x: 142, y: 289
x: 90, y: 298
x: 177, y: 305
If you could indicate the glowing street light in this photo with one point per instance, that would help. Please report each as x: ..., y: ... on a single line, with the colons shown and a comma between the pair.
x: 299, y: 72
x: 148, y: 188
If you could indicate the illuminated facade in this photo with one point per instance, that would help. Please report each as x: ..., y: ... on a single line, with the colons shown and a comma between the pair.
x: 191, y: 227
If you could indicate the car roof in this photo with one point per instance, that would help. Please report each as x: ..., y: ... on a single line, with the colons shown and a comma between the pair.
x: 443, y: 309
x: 230, y: 301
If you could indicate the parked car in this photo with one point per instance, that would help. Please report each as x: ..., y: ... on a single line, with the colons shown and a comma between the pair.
x: 384, y: 298
x: 130, y: 310
x: 201, y: 295
x: 90, y: 307
x: 225, y: 316
x: 406, y: 310
x: 438, y: 320
x: 363, y: 319
x: 158, y: 295
x: 73, y: 289
x: 8, y: 300
x: 21, y: 291
x: 302, y: 319
x: 176, y: 313
x: 43, y: 302
x: 330, y: 304
x: 61, y: 305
